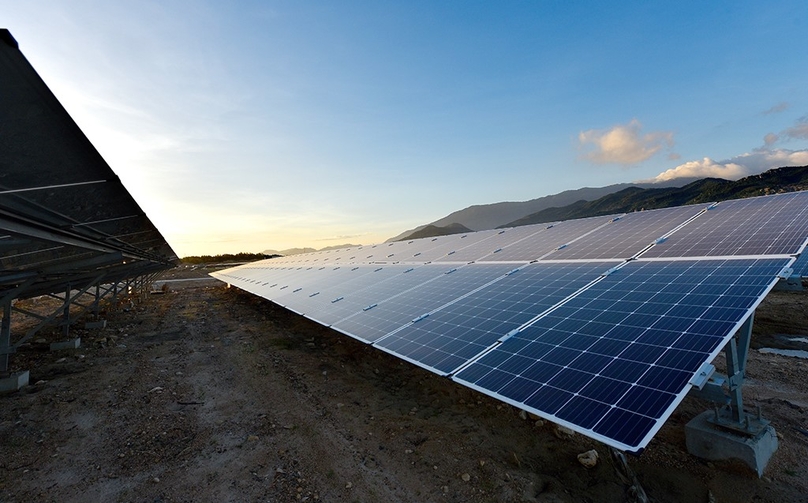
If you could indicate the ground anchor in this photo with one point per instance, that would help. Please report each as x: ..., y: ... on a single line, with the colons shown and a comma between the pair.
x: 729, y: 431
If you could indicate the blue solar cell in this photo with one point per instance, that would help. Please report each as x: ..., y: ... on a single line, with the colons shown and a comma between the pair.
x: 642, y: 342
x: 459, y: 331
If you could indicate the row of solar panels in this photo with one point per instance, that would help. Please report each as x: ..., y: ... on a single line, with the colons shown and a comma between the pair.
x: 555, y: 318
x: 755, y: 226
x: 66, y: 220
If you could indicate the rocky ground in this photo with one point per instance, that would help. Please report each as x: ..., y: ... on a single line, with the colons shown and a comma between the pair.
x: 205, y: 393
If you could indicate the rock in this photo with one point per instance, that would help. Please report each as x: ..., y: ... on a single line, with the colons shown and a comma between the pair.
x: 252, y: 438
x: 466, y: 477
x: 523, y: 415
x: 589, y: 458
x: 348, y: 485
x: 563, y: 432
x: 539, y: 423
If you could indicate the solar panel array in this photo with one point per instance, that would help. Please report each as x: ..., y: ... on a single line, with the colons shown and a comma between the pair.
x: 598, y: 324
x: 66, y: 220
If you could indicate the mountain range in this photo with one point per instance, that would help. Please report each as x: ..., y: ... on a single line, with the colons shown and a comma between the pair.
x: 590, y: 202
x: 620, y: 198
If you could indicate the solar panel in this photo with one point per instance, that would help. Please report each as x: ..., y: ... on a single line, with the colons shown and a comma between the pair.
x: 474, y: 246
x: 626, y: 236
x: 451, y: 336
x: 766, y: 225
x: 550, y: 237
x: 383, y: 315
x: 349, y: 298
x: 615, y: 360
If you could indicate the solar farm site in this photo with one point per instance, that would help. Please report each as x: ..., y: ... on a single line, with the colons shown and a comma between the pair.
x: 517, y: 364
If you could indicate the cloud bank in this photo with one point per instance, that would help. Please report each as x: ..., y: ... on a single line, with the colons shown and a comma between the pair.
x: 752, y: 163
x: 622, y: 144
x: 737, y: 167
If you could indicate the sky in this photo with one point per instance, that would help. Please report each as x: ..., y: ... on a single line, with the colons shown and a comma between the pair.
x: 245, y: 126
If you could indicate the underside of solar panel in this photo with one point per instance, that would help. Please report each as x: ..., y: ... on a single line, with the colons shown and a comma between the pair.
x: 598, y: 324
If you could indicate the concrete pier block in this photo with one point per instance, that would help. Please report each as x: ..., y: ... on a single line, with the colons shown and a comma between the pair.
x: 91, y: 325
x: 708, y: 441
x: 15, y: 381
x: 71, y: 344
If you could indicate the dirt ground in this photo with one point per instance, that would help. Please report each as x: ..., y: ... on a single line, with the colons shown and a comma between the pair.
x: 211, y: 394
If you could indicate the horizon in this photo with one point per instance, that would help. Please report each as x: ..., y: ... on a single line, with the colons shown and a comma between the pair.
x: 258, y: 126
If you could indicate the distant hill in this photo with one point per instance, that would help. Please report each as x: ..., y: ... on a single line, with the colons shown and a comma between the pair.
x: 428, y: 231
x: 704, y: 190
x: 489, y: 216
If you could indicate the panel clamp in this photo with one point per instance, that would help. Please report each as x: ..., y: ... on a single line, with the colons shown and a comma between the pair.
x: 508, y: 335
x: 702, y: 376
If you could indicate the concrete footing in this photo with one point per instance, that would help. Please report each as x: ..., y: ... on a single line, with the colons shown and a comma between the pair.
x: 71, y: 344
x: 708, y: 441
x: 15, y: 381
x: 92, y: 325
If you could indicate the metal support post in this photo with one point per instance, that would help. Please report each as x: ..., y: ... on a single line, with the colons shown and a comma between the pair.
x: 5, y: 338
x: 66, y: 315
x: 96, y: 301
x: 736, y: 419
x: 729, y: 431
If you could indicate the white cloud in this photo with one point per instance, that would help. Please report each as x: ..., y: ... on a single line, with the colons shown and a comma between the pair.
x: 776, y: 109
x: 703, y: 168
x: 799, y: 131
x: 737, y: 167
x: 770, y: 139
x: 622, y: 144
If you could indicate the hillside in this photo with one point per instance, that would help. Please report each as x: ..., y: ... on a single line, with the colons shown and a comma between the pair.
x: 701, y: 191
x: 489, y: 216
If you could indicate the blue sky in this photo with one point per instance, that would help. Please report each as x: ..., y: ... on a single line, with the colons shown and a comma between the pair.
x: 245, y: 126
